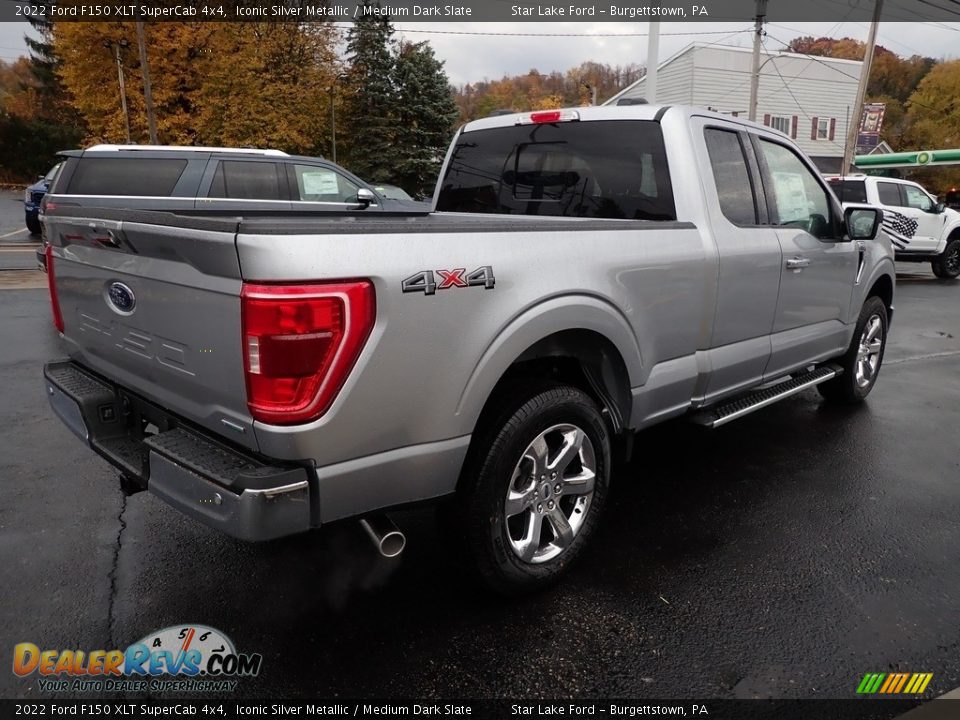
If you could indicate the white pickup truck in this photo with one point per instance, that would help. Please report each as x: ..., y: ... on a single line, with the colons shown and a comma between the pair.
x: 586, y: 273
x: 921, y: 229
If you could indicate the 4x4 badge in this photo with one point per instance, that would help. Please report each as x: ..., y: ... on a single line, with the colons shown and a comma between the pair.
x: 425, y: 281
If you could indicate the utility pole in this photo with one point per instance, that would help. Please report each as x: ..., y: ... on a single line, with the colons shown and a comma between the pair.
x: 853, y: 126
x: 653, y: 60
x: 147, y: 92
x: 755, y: 70
x: 333, y: 113
x: 333, y: 121
x: 123, y: 86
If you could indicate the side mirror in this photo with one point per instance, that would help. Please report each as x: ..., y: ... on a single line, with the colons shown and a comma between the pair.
x: 939, y: 208
x: 863, y: 222
x: 365, y: 197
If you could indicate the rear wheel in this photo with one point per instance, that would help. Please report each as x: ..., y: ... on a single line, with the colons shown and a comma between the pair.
x: 947, y: 264
x: 861, y: 363
x: 535, y: 489
x: 33, y: 224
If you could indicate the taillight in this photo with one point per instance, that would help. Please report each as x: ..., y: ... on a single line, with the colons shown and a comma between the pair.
x: 548, y: 116
x: 52, y: 285
x: 300, y: 343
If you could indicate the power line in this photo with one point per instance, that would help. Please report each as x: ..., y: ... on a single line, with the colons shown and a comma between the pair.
x: 585, y: 35
x: 787, y: 87
x: 814, y: 58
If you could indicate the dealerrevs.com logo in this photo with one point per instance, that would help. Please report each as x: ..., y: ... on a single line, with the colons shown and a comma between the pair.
x: 180, y: 658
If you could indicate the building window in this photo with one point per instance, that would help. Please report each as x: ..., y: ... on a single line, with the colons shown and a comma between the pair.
x: 781, y: 123
x: 823, y: 128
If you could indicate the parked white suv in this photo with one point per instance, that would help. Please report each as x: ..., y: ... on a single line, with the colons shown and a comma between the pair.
x: 922, y: 229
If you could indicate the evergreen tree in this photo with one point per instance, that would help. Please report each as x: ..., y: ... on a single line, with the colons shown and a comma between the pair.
x: 426, y: 112
x: 369, y: 118
x: 51, y: 102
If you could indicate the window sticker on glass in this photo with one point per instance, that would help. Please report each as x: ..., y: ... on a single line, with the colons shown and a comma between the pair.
x: 320, y: 182
x: 792, y: 202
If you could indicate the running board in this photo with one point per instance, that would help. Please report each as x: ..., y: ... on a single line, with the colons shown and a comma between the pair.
x: 746, y: 404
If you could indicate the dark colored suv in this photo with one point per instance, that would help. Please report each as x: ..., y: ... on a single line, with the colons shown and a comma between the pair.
x: 32, y: 197
x: 214, y: 181
x: 198, y: 179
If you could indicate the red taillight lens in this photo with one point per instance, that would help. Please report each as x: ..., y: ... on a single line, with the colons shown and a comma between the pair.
x: 300, y: 343
x: 52, y: 285
x: 550, y: 116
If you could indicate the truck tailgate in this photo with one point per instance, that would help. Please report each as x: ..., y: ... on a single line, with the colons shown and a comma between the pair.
x: 157, y: 310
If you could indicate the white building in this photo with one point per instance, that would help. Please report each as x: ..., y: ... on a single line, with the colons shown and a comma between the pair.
x: 807, y: 98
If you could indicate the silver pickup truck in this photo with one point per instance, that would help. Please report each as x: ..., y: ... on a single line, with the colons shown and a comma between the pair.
x: 585, y: 274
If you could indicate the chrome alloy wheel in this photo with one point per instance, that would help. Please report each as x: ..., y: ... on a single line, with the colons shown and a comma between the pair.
x: 552, y: 482
x: 868, y: 354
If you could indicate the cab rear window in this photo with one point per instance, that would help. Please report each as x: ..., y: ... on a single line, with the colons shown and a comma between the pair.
x: 599, y: 169
x: 155, y: 177
x: 850, y: 191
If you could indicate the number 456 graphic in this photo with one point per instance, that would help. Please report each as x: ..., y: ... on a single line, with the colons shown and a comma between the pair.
x: 426, y: 282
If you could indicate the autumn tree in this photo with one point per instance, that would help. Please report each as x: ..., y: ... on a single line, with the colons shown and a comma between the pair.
x: 268, y: 85
x: 35, y: 119
x: 535, y: 90
x: 243, y: 84
x: 892, y: 79
x: 934, y: 111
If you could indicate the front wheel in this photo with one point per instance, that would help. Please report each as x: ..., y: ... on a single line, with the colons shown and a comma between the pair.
x: 536, y: 488
x: 947, y: 264
x: 33, y: 224
x: 861, y: 363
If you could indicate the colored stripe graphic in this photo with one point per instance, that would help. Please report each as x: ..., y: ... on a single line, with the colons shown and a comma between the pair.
x: 870, y: 683
x: 894, y: 683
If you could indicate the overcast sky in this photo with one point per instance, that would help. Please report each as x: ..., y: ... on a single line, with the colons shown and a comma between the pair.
x: 473, y: 57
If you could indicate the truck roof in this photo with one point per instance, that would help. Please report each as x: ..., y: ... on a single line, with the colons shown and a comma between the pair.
x: 607, y: 112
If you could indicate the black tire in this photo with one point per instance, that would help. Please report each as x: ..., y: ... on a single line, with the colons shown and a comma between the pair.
x: 505, y: 447
x: 33, y: 225
x: 947, y: 264
x: 848, y: 388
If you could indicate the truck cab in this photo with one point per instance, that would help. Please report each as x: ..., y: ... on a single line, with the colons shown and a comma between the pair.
x: 921, y: 229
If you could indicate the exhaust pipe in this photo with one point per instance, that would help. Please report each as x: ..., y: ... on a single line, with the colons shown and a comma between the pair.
x: 386, y: 536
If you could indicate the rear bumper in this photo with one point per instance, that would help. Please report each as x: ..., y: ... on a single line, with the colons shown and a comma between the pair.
x: 230, y: 490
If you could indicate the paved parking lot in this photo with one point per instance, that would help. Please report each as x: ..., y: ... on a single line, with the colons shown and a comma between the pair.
x: 785, y: 555
x: 12, y: 228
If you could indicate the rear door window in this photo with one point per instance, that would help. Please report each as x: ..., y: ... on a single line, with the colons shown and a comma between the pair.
x: 141, y: 177
x: 600, y: 169
x: 732, y: 178
x: 889, y: 194
x: 247, y: 180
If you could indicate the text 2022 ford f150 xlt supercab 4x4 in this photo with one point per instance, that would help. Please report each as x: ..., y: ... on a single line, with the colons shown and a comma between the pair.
x: 586, y: 273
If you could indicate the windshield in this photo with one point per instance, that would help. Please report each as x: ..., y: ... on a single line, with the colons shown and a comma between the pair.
x: 392, y: 192
x: 53, y: 172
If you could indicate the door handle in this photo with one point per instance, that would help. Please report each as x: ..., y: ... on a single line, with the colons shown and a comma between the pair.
x: 796, y: 263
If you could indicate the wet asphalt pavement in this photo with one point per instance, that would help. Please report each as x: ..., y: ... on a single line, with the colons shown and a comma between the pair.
x: 784, y: 555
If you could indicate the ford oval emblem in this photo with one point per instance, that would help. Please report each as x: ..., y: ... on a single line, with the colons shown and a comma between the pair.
x: 120, y: 298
